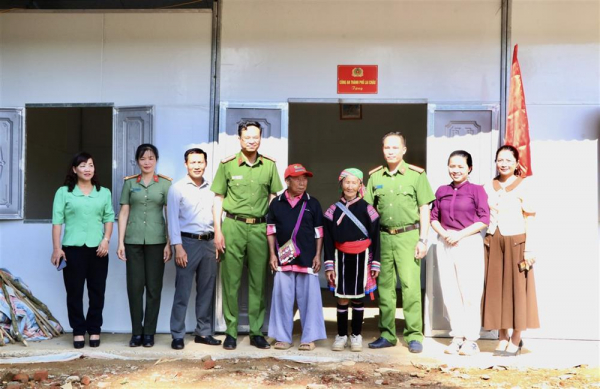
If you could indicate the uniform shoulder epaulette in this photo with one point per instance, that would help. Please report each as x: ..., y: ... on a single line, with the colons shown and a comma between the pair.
x: 165, y: 177
x: 415, y: 168
x: 231, y: 157
x: 376, y: 169
x: 130, y: 177
x: 269, y: 158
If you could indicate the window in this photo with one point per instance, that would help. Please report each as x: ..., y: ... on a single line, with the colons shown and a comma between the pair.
x: 54, y: 135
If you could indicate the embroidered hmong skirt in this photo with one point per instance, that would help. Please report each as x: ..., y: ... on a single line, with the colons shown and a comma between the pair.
x: 351, y: 272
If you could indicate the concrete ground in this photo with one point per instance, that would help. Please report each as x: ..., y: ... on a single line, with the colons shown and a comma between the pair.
x: 537, y: 353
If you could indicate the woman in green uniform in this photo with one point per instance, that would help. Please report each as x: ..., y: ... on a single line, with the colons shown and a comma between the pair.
x: 143, y: 242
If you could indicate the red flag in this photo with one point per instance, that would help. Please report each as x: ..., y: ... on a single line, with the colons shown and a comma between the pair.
x: 517, y: 125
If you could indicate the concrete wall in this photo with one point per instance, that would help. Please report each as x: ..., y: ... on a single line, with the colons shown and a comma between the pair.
x: 294, y: 47
x: 160, y: 59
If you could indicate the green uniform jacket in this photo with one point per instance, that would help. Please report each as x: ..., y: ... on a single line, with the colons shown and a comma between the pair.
x: 398, y: 197
x: 146, y: 222
x: 246, y: 188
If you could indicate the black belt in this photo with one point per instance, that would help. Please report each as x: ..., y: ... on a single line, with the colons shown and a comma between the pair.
x: 247, y: 220
x: 209, y: 236
x: 399, y: 230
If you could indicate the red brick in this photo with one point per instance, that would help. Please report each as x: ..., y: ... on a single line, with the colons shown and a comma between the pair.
x: 210, y: 364
x: 21, y: 377
x: 40, y: 375
x: 85, y: 380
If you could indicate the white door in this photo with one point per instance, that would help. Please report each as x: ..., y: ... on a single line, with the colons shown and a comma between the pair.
x: 274, y: 121
x: 472, y: 128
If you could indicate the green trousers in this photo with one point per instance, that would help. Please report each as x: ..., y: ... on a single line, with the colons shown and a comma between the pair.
x: 398, y: 259
x: 244, y: 241
x: 145, y: 269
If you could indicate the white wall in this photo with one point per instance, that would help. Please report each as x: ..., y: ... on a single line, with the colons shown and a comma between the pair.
x: 274, y: 50
x: 559, y: 54
x: 160, y: 59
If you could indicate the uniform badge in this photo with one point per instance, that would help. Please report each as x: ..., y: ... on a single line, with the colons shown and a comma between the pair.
x: 237, y: 177
x: 378, y: 186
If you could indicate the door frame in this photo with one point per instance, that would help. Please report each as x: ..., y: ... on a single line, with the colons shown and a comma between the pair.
x: 432, y: 107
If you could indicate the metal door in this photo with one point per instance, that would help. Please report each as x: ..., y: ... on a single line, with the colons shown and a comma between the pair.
x: 11, y: 163
x: 472, y: 128
x: 274, y: 121
x: 132, y: 127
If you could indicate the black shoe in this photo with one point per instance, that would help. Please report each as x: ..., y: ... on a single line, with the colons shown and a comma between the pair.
x: 78, y: 343
x: 380, y: 343
x: 94, y: 342
x: 259, y: 341
x: 148, y: 341
x: 230, y: 343
x: 135, y: 341
x: 177, y: 344
x: 207, y: 340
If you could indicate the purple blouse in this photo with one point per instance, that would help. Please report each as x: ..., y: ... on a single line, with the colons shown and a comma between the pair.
x: 459, y: 207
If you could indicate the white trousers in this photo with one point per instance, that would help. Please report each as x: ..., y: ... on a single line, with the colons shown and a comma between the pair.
x: 461, y: 270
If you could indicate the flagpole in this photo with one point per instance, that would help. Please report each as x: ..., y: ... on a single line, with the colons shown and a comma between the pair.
x: 505, y: 64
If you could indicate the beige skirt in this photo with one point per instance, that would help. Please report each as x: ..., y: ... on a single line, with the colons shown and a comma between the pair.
x: 509, y: 299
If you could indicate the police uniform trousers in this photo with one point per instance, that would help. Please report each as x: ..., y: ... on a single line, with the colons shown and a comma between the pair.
x: 509, y: 299
x: 244, y: 241
x: 202, y: 267
x: 85, y: 266
x: 305, y: 289
x: 398, y: 259
x: 145, y: 270
x: 461, y: 269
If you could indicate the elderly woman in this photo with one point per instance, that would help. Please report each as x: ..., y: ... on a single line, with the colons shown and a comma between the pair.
x: 509, y: 300
x: 143, y: 242
x: 460, y: 211
x: 351, y: 228
x: 85, y: 208
x: 295, y: 236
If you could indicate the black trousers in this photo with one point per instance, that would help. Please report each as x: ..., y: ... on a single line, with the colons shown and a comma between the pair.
x: 83, y: 265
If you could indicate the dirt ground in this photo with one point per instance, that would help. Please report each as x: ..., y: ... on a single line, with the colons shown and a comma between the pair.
x: 270, y: 372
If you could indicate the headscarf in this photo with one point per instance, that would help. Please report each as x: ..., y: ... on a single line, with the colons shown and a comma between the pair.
x: 352, y: 171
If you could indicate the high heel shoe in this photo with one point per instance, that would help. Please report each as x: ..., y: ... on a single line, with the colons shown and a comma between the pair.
x: 78, y: 343
x: 501, y: 348
x: 517, y: 349
x: 94, y: 342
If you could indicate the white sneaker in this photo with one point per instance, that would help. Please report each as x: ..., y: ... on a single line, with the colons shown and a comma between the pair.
x: 356, y: 343
x: 340, y: 342
x: 469, y: 348
x: 454, y: 347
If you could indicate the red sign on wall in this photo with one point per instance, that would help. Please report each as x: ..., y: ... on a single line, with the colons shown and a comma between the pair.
x: 357, y: 79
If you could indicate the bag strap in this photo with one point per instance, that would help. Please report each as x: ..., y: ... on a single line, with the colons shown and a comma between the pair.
x: 297, y: 227
x: 348, y: 213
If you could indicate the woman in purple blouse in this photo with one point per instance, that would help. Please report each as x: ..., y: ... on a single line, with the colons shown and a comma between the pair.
x: 460, y: 211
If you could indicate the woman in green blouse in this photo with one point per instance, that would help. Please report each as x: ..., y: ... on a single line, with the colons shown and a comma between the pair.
x: 85, y: 208
x: 143, y: 243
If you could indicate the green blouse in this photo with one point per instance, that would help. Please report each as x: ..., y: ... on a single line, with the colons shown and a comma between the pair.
x: 83, y: 216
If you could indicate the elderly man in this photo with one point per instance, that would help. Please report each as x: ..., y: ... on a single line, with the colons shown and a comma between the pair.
x: 401, y: 194
x: 243, y: 186
x: 191, y: 231
x: 295, y: 236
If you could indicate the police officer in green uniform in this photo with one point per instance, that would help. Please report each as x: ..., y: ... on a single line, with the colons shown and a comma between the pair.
x: 143, y: 243
x: 244, y: 185
x: 401, y: 193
